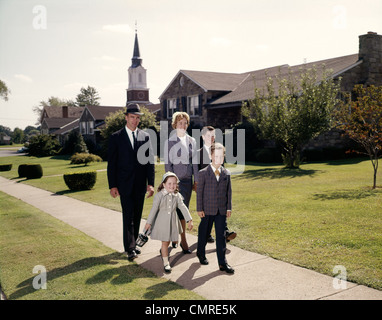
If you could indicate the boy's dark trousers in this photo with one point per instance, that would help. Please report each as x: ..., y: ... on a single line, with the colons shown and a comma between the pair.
x: 204, y: 231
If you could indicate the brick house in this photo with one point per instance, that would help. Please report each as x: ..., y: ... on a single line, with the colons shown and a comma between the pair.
x: 214, y: 98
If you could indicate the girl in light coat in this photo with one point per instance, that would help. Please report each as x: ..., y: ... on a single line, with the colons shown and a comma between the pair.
x: 163, y: 219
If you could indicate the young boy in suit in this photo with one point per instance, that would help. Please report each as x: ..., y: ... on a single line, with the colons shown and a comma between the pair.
x: 214, y: 205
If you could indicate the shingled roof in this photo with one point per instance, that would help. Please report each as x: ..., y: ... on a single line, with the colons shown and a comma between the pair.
x: 240, y: 86
x: 258, y: 78
x: 101, y: 112
x: 57, y: 112
x: 245, y: 89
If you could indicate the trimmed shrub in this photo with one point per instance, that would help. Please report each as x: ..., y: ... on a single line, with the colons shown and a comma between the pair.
x: 79, y: 158
x: 21, y: 170
x: 30, y: 171
x: 6, y: 167
x: 80, y: 180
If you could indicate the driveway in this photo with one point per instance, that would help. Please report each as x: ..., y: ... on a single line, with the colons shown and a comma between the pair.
x: 10, y: 151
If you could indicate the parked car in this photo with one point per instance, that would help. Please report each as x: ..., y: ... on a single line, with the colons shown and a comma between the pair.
x: 22, y: 150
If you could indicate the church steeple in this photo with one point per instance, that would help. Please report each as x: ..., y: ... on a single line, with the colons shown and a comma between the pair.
x: 136, y: 60
x: 137, y: 91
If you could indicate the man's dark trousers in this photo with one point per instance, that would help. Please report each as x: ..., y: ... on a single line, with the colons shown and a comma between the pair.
x: 204, y: 231
x: 132, y: 206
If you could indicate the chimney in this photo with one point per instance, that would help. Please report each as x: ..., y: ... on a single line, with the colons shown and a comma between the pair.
x: 65, y: 112
x: 370, y: 51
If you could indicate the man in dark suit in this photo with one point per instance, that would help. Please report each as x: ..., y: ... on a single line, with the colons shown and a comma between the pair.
x: 214, y: 205
x: 204, y: 157
x: 131, y: 174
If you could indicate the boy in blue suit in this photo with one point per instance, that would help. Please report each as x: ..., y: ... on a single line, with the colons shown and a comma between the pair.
x: 214, y: 205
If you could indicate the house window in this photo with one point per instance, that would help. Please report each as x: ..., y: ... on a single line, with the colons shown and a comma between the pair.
x: 193, y: 105
x: 171, y: 107
x: 83, y: 128
x: 90, y: 127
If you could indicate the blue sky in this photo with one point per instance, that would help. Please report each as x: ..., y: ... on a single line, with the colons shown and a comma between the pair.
x: 53, y: 48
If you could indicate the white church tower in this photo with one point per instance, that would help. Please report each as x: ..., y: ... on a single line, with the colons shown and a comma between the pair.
x: 137, y: 91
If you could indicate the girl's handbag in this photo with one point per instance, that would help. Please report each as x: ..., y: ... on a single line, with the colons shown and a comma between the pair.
x: 142, y: 238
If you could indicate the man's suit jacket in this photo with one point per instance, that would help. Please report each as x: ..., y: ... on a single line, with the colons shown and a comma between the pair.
x: 124, y: 171
x: 204, y: 158
x: 181, y: 160
x: 214, y: 196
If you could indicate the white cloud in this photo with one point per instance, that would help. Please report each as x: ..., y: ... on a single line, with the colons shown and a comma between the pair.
x: 23, y: 78
x: 262, y: 48
x: 105, y: 58
x: 220, y: 42
x: 121, y: 28
x: 108, y: 58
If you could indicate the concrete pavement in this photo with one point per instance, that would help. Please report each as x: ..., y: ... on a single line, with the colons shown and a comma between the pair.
x: 256, y: 276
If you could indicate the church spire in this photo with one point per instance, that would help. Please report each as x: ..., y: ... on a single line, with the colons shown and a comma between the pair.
x: 137, y: 91
x: 136, y: 60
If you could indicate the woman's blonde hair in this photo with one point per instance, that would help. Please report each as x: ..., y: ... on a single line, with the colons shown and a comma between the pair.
x: 177, y: 116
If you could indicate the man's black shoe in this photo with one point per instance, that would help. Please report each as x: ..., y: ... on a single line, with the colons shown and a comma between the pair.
x: 203, y: 260
x: 227, y: 268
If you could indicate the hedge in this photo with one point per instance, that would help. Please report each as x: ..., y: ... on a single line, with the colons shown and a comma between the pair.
x: 79, y: 158
x: 30, y: 171
x: 6, y: 167
x: 80, y: 180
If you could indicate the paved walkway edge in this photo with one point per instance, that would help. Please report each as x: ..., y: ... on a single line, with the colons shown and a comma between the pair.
x: 256, y: 277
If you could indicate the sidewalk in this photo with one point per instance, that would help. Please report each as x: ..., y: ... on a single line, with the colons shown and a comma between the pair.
x: 256, y: 276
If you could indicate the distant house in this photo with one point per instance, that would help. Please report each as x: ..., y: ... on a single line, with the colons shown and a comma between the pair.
x: 55, y: 118
x: 63, y: 132
x: 92, y: 120
x: 155, y: 109
x: 4, y: 139
x: 215, y: 98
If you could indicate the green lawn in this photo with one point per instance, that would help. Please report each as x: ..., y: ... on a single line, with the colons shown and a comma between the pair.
x: 78, y: 266
x: 319, y: 216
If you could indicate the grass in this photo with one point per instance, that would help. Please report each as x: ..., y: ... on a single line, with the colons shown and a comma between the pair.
x: 78, y: 267
x: 318, y: 216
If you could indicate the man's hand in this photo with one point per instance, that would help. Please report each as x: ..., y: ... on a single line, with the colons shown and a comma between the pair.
x: 229, y: 213
x: 150, y: 191
x: 201, y: 214
x: 114, y: 192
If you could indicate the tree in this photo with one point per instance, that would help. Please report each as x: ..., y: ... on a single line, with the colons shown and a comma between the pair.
x: 361, y: 120
x: 116, y: 121
x: 6, y: 130
x: 51, y: 102
x: 292, y: 109
x: 43, y: 145
x: 88, y: 96
x: 4, y: 91
x: 17, y: 135
x: 74, y: 144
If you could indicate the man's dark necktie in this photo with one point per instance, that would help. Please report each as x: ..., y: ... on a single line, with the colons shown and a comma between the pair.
x: 135, y: 141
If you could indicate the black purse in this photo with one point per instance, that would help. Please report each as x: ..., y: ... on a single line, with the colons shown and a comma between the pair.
x: 142, y: 238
